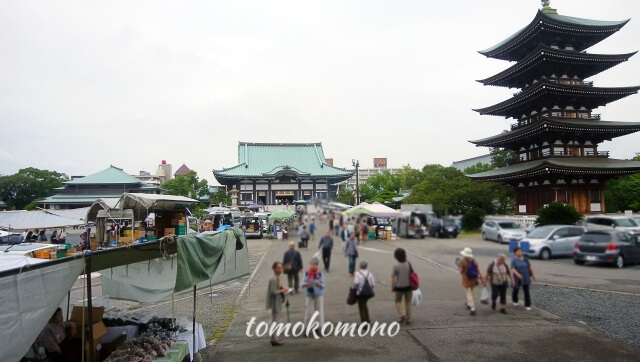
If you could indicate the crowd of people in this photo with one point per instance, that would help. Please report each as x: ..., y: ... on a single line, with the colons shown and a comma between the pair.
x: 58, y: 236
x: 498, y: 276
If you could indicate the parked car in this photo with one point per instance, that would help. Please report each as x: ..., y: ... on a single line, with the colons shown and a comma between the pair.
x: 613, y: 247
x: 252, y: 226
x: 605, y: 222
x: 443, y: 228
x: 411, y: 224
x: 550, y: 241
x: 502, y: 231
x: 381, y: 225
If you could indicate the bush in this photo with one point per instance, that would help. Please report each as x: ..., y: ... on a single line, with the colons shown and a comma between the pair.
x: 558, y: 213
x: 472, y: 219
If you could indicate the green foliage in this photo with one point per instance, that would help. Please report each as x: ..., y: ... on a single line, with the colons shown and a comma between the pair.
x: 29, y: 185
x: 385, y: 181
x: 220, y: 196
x: 558, y: 213
x: 472, y: 219
x: 385, y: 197
x: 346, y: 196
x: 623, y: 193
x: 501, y: 157
x: 477, y: 168
x: 188, y: 185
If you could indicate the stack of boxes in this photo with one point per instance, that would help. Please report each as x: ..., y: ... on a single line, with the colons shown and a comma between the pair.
x: 179, y: 224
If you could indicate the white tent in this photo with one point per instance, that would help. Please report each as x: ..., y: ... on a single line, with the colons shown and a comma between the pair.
x: 20, y: 220
x: 375, y: 209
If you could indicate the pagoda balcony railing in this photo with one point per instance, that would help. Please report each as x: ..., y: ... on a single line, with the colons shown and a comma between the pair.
x: 590, y: 117
x: 559, y: 81
x: 548, y: 153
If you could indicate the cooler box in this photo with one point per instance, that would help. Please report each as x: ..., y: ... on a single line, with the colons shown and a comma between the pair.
x: 180, y: 229
x: 524, y: 245
x: 372, y: 235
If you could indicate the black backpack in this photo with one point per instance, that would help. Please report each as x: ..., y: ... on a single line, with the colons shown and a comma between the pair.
x: 367, y: 290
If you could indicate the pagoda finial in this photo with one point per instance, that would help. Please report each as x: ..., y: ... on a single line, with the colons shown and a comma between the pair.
x: 547, y: 9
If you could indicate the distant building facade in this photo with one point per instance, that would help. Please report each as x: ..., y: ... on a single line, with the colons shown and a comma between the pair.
x: 83, y: 191
x: 463, y: 164
x: 274, y: 173
x: 379, y: 166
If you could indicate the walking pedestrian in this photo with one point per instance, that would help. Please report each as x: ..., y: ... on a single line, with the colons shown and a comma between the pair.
x: 292, y: 265
x: 523, y: 272
x: 364, y: 284
x: 86, y: 239
x: 326, y: 244
x: 364, y: 231
x: 312, y: 229
x: 62, y: 236
x: 315, y: 284
x: 275, y: 298
x: 401, y: 285
x: 499, y: 274
x: 351, y: 252
x: 469, y: 269
x: 304, y: 237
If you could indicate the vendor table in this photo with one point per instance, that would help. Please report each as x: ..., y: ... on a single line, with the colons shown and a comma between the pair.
x: 176, y: 354
x: 200, y: 342
x: 115, y: 332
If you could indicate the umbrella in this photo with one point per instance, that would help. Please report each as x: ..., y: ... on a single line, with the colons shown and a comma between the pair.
x: 375, y: 209
x: 281, y: 215
x: 254, y: 206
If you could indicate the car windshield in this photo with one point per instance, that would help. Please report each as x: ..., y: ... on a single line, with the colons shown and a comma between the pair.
x: 541, y: 232
x: 596, y: 237
x: 449, y: 222
x: 509, y: 225
x: 627, y: 223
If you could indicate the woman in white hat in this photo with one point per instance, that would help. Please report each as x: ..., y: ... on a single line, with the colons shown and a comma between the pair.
x: 470, y: 271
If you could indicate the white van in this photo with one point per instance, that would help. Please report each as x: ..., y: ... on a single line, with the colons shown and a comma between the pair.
x: 605, y: 222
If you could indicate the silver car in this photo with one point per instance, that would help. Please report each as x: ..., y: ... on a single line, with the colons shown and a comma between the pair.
x: 550, y: 241
x: 502, y: 231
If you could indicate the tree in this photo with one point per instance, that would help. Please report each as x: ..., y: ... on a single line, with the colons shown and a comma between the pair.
x: 472, y: 219
x: 385, y: 181
x: 558, y: 213
x: 346, y: 196
x: 219, y: 197
x: 501, y: 157
x: 385, y: 197
x: 29, y: 185
x: 478, y: 168
x: 188, y: 185
x: 623, y: 193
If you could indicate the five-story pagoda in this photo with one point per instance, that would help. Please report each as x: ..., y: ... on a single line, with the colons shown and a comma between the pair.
x: 556, y: 136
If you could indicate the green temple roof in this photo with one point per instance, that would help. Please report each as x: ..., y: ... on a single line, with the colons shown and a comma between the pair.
x: 111, y: 175
x: 269, y: 159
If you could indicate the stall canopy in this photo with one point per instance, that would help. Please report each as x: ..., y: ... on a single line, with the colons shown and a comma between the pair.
x: 154, y: 202
x: 101, y: 205
x: 202, y: 259
x: 281, y: 215
x: 20, y: 220
x: 375, y: 209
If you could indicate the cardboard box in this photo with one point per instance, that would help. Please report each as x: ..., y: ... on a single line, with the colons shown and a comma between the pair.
x: 169, y: 231
x: 126, y: 240
x: 99, y: 329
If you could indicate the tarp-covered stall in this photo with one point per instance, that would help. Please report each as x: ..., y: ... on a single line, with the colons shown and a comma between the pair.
x: 21, y: 220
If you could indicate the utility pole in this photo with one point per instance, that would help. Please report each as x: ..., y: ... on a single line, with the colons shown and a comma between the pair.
x: 356, y: 164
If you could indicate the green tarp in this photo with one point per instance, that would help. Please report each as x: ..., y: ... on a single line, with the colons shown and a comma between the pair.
x: 200, y: 255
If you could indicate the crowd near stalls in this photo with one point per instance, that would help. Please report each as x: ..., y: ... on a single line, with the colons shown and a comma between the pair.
x: 143, y: 261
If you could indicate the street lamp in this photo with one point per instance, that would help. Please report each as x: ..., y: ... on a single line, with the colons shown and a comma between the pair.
x: 356, y: 164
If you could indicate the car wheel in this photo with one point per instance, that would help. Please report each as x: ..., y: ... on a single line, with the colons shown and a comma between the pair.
x: 619, y: 261
x: 484, y: 236
x: 437, y: 235
x: 421, y: 236
x: 545, y: 254
x: 499, y: 239
x: 578, y: 262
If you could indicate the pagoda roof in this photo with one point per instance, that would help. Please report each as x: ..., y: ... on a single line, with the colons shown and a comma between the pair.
x: 545, y: 28
x: 111, y: 175
x: 545, y: 61
x: 562, y: 166
x: 594, y: 130
x: 269, y: 160
x: 548, y: 94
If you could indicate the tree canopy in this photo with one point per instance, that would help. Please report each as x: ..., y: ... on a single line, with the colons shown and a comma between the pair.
x: 623, y: 193
x: 29, y: 185
x: 188, y: 185
x: 219, y: 197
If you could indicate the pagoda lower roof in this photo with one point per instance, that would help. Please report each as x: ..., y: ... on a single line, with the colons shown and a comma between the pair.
x: 547, y: 29
x: 596, y: 131
x: 545, y: 61
x: 561, y: 166
x: 548, y: 94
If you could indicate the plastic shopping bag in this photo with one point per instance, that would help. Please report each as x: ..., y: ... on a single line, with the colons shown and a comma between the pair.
x: 417, y: 298
x: 316, y: 255
x: 484, y: 298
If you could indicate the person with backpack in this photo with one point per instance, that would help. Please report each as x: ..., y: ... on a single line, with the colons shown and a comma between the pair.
x: 314, y: 301
x: 292, y: 265
x: 523, y: 273
x: 469, y: 269
x: 364, y: 284
x: 499, y: 274
x: 401, y: 285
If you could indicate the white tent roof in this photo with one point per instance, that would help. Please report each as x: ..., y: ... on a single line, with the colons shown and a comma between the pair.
x: 42, y: 218
x: 101, y: 204
x: 375, y: 209
x: 153, y: 201
x: 8, y: 262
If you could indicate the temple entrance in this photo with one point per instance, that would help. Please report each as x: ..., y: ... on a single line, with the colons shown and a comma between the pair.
x: 284, y: 196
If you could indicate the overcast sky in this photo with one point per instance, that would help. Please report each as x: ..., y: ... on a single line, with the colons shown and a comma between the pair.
x: 87, y: 84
